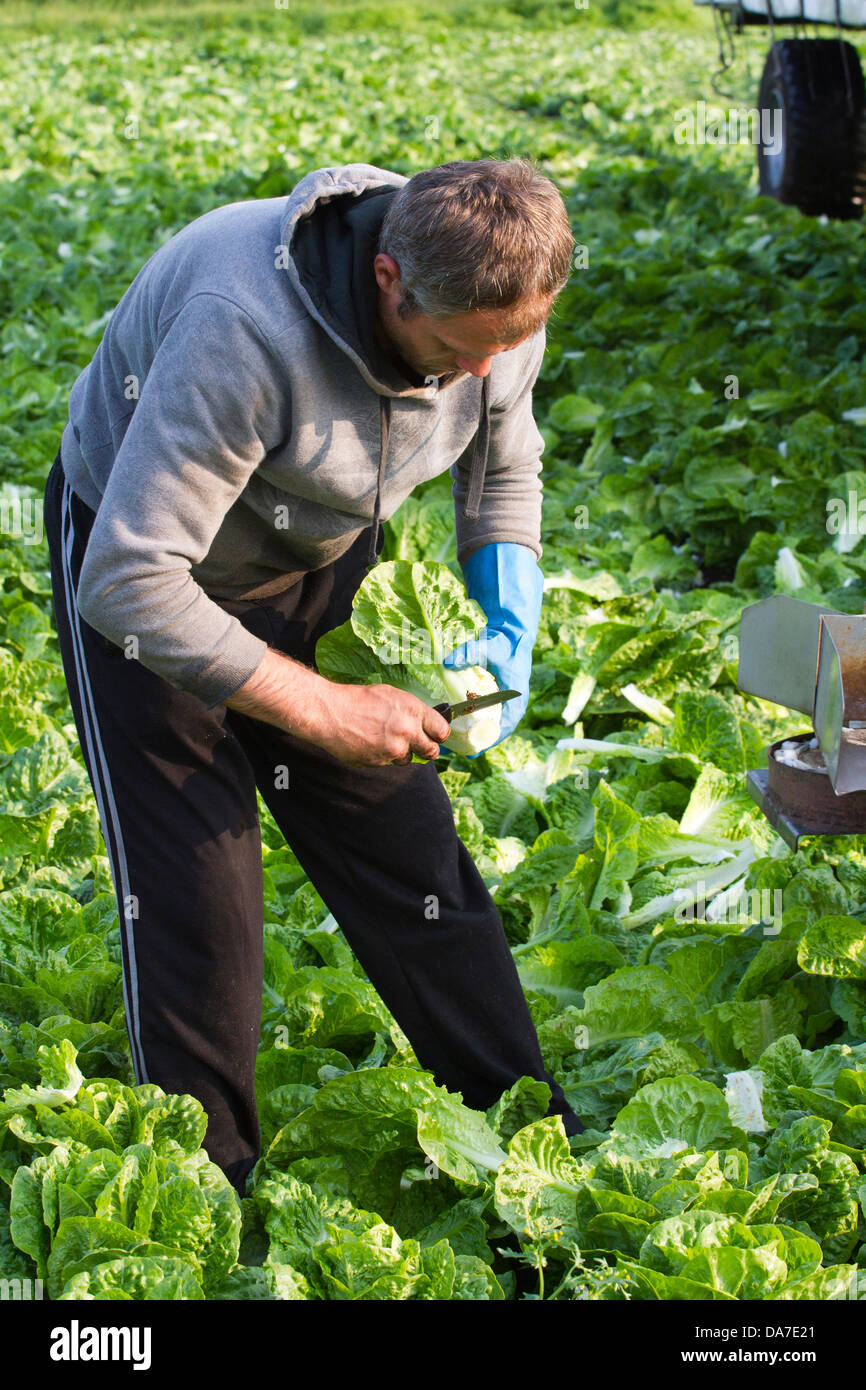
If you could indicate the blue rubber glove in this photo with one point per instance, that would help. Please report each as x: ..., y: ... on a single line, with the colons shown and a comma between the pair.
x: 506, y: 580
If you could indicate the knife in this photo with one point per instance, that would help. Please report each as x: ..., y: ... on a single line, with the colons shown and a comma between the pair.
x: 451, y: 712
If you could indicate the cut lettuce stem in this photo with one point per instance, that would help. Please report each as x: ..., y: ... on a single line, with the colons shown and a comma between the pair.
x: 713, y: 882
x: 471, y: 733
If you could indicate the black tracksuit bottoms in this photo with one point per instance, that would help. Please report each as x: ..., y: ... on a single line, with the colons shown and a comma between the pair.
x: 175, y: 784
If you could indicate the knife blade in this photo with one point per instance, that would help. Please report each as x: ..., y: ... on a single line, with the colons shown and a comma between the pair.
x: 451, y: 712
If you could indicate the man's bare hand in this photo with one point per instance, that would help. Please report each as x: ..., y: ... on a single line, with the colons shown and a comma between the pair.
x: 365, y: 725
x: 378, y: 724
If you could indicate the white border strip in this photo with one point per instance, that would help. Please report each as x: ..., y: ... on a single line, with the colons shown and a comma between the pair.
x: 102, y: 788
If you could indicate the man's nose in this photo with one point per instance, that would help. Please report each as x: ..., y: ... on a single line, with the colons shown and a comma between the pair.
x: 477, y: 366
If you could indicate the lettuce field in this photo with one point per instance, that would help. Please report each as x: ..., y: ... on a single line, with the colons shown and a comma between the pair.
x: 699, y: 989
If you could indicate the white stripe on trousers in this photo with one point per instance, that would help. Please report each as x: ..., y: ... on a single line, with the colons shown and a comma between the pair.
x: 102, y: 788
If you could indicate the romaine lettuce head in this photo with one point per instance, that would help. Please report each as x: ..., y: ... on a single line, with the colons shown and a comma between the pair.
x: 406, y: 617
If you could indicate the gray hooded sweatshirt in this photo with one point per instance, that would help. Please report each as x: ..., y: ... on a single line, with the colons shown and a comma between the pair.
x: 239, y: 426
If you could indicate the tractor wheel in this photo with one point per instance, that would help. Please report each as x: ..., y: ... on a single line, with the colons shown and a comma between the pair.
x: 812, y: 154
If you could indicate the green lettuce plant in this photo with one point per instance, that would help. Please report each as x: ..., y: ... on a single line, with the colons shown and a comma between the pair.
x: 407, y: 616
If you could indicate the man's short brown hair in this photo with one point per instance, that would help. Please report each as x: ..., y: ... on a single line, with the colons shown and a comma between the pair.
x: 479, y: 234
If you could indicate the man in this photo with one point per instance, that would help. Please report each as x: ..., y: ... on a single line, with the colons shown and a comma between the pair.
x: 276, y: 380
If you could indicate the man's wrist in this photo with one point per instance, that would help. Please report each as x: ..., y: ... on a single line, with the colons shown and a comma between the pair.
x: 286, y: 693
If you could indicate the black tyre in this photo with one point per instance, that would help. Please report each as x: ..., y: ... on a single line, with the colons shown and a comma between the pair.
x: 819, y: 162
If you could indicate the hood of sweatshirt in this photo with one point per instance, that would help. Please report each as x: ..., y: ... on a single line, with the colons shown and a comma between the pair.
x: 330, y: 230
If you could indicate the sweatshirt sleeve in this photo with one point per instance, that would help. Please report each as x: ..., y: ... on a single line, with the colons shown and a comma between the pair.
x: 510, y: 507
x: 209, y: 410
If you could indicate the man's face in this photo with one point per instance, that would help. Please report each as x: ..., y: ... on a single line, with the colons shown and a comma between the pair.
x: 433, y: 347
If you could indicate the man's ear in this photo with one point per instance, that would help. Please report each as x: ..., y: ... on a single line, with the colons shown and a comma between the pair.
x: 387, y: 272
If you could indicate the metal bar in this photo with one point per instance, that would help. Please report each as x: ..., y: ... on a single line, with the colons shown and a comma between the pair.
x: 722, y: 24
x: 756, y: 786
x: 772, y: 18
x: 849, y: 92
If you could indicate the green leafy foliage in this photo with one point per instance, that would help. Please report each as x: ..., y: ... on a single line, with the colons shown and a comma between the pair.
x: 699, y: 990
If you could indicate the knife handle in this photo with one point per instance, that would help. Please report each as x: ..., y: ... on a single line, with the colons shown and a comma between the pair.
x: 444, y: 710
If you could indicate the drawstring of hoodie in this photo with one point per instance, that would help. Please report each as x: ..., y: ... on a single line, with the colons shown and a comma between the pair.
x: 477, y: 468
x: 384, y: 431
